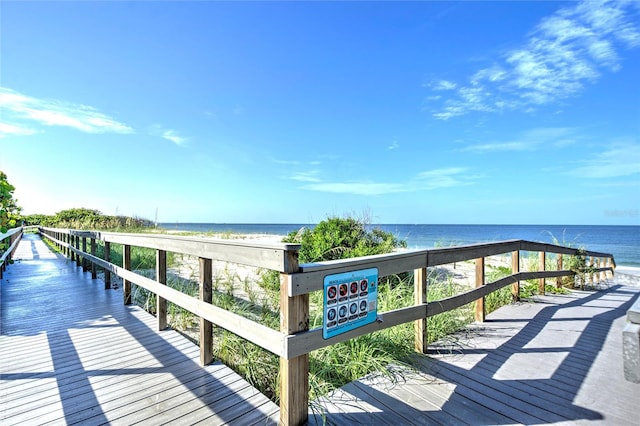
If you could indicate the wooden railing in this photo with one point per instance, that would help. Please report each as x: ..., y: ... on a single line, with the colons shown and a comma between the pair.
x: 295, y: 341
x: 11, y: 238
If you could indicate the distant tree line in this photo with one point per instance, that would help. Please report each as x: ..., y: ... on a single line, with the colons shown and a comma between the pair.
x: 81, y: 218
x: 9, y: 210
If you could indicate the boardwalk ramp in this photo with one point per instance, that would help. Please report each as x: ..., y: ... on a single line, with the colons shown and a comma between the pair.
x: 556, y: 359
x: 73, y: 353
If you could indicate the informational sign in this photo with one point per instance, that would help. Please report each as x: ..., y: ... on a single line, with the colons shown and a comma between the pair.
x: 350, y: 301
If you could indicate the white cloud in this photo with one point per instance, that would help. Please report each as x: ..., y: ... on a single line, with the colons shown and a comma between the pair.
x: 564, y: 52
x: 394, y: 145
x: 310, y: 176
x: 443, y: 178
x: 286, y: 162
x: 356, y: 188
x: 443, y: 85
x: 7, y: 129
x: 621, y: 159
x: 424, y: 181
x: 500, y: 146
x: 21, y: 113
x: 172, y: 136
x: 168, y: 134
x: 529, y: 140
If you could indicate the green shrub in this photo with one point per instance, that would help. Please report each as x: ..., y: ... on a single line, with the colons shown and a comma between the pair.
x: 332, y: 239
x: 342, y: 238
x: 81, y: 218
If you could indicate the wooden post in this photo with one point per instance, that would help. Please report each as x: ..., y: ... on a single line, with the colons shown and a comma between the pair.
x: 560, y: 266
x: 294, y: 372
x: 206, y: 295
x: 94, y: 271
x: 598, y: 276
x: 515, y: 268
x: 85, y: 263
x: 77, y: 246
x: 126, y: 264
x: 107, y: 257
x: 161, y: 277
x: 542, y: 267
x: 72, y: 243
x: 591, y: 274
x: 481, y: 311
x: 420, y: 297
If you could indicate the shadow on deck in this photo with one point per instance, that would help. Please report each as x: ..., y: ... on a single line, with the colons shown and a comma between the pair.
x: 555, y: 360
x: 71, y: 352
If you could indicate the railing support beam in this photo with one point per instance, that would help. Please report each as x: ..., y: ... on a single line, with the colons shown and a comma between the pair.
x: 161, y: 277
x: 542, y: 267
x: 294, y: 372
x: 420, y: 297
x: 560, y: 267
x: 126, y: 264
x: 107, y: 257
x: 85, y: 262
x: 206, y: 295
x: 515, y: 268
x: 480, y: 310
x: 94, y: 272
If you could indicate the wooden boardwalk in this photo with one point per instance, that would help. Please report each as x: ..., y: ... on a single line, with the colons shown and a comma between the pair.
x: 72, y: 353
x: 554, y: 361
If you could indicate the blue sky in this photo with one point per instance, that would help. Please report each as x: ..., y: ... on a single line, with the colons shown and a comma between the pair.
x: 277, y: 112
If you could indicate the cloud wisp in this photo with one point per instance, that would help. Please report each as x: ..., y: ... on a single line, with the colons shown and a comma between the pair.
x: 563, y: 53
x: 168, y: 134
x: 172, y: 136
x: 530, y: 140
x: 24, y: 115
x: 424, y: 181
x: 620, y: 160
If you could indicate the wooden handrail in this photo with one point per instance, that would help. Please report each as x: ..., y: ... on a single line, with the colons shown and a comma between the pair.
x: 310, y: 276
x: 13, y: 235
x: 294, y: 341
x: 260, y: 254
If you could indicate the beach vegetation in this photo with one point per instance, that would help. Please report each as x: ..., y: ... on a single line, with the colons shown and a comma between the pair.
x: 333, y: 366
x: 82, y: 218
x: 9, y: 209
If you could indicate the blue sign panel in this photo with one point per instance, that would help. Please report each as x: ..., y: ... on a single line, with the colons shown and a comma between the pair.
x: 350, y: 301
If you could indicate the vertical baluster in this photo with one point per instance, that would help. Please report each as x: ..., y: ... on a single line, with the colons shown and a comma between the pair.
x: 480, y: 311
x: 126, y: 264
x: 515, y: 268
x: 206, y: 295
x: 542, y: 266
x: 161, y: 277
x: 420, y: 297
x: 107, y: 272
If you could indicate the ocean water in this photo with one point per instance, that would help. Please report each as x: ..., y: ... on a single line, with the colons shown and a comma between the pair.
x: 621, y: 241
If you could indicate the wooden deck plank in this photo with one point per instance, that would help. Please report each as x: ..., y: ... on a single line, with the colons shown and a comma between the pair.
x: 429, y: 394
x: 555, y: 360
x: 72, y: 353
